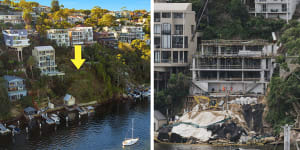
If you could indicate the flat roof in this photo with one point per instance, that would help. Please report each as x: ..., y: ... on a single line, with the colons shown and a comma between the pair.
x: 43, y: 48
x: 173, y: 6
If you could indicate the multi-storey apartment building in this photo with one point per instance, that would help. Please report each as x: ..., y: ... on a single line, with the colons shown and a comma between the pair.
x: 81, y: 35
x: 107, y: 39
x: 283, y: 9
x: 16, y: 88
x: 130, y: 33
x: 16, y: 39
x: 60, y: 36
x: 45, y: 60
x: 175, y: 39
x: 234, y: 66
x: 11, y: 17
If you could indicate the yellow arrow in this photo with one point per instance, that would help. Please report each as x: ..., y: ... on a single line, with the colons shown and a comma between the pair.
x: 78, y: 61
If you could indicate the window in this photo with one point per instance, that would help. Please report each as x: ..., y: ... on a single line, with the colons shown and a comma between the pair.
x: 181, y: 56
x: 177, y: 15
x: 179, y: 29
x: 156, y: 56
x: 166, y: 41
x: 157, y: 28
x: 186, y: 42
x: 166, y: 28
x: 284, y: 7
x: 156, y: 42
x: 177, y: 42
x: 166, y: 56
x: 185, y: 56
x: 264, y: 7
x: 166, y: 15
x: 156, y: 17
x: 175, y: 57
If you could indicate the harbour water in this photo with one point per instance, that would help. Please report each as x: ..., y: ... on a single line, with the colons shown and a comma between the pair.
x: 207, y: 147
x: 105, y: 130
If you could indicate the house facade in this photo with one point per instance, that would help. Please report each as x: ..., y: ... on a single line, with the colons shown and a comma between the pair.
x: 16, y: 87
x: 17, y: 39
x: 11, y: 17
x: 283, y: 9
x: 130, y: 33
x: 233, y: 66
x: 60, y: 36
x: 81, y: 36
x: 175, y: 40
x: 45, y: 60
x: 75, y: 19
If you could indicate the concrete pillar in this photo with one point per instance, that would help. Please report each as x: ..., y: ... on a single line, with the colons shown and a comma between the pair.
x: 219, y: 50
x: 193, y: 70
x: 262, y: 72
x: 202, y: 50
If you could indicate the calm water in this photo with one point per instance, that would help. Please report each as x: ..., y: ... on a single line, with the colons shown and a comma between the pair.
x: 198, y: 147
x: 105, y: 130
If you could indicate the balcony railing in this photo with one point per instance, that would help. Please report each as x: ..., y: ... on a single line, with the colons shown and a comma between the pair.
x: 228, y: 67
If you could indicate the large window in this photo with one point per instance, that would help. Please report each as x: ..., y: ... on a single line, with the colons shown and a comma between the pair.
x: 177, y: 42
x: 264, y: 7
x: 185, y: 56
x: 175, y: 57
x: 186, y: 42
x: 284, y: 7
x: 156, y: 42
x: 166, y: 15
x: 166, y: 41
x: 156, y: 17
x: 179, y: 29
x: 166, y: 56
x: 157, y: 28
x: 177, y: 15
x: 156, y: 56
x: 166, y: 28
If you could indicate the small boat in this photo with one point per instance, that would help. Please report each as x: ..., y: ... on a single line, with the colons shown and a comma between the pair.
x: 130, y: 141
x: 50, y: 121
x: 55, y: 118
x: 3, y: 129
x: 90, y: 109
x: 82, y: 111
x: 14, y: 129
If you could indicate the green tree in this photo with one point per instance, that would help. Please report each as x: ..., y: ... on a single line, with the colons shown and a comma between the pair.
x: 54, y: 6
x: 5, y: 104
x: 27, y: 19
x: 107, y: 20
x: 30, y: 63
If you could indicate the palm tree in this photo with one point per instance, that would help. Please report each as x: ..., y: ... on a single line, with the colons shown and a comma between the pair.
x: 30, y: 62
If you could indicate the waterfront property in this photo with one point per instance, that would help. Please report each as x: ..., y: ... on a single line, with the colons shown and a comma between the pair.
x: 283, y: 9
x: 16, y: 39
x: 45, y: 60
x: 60, y: 36
x: 237, y: 66
x: 159, y: 120
x: 175, y: 39
x: 69, y: 100
x: 81, y: 35
x: 15, y: 87
x: 130, y: 33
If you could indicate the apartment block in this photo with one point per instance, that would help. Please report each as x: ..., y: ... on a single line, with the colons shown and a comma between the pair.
x: 16, y: 88
x: 60, y: 36
x: 16, y: 39
x: 81, y: 35
x: 130, y: 33
x: 234, y: 66
x: 175, y: 39
x: 283, y: 9
x: 45, y: 60
x: 11, y: 17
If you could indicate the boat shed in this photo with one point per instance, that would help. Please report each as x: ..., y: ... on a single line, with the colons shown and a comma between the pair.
x: 30, y: 111
x: 159, y: 120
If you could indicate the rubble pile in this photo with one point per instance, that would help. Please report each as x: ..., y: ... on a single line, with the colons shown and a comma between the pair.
x: 244, y: 101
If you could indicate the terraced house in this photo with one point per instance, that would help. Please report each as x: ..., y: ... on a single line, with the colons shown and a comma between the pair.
x: 15, y: 87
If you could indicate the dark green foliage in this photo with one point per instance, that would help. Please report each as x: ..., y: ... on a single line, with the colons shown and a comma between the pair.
x: 55, y: 5
x: 5, y: 104
x: 173, y: 97
x: 26, y: 101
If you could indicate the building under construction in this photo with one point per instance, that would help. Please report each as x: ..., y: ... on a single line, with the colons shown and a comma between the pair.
x: 233, y: 66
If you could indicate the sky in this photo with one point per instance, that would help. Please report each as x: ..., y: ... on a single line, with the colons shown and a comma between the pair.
x: 105, y: 4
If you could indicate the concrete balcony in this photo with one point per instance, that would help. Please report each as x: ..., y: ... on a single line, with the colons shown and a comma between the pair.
x: 271, y: 1
x: 17, y: 43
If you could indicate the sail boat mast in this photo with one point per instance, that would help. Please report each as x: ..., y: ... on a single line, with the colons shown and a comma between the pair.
x: 132, y: 130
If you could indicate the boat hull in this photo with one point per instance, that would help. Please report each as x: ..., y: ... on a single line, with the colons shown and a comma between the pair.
x: 129, y: 142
